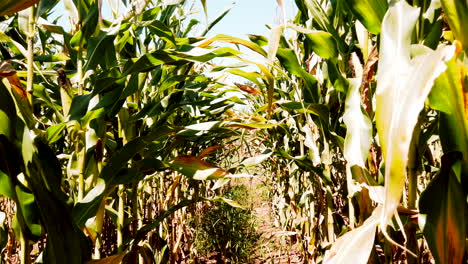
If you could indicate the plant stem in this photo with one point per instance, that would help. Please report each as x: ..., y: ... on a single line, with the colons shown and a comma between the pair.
x: 123, y: 128
x: 25, y: 250
x: 81, y: 164
x: 349, y: 181
x: 120, y: 218
x: 30, y: 59
x: 330, y: 228
x: 120, y: 192
x: 413, y: 165
x: 79, y: 70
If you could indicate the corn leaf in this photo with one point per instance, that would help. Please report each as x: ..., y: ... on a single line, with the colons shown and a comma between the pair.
x: 54, y: 133
x: 252, y: 161
x: 449, y: 97
x: 288, y: 59
x: 258, y: 39
x: 8, y: 7
x: 87, y: 207
x: 355, y: 245
x: 8, y: 118
x: 229, y: 39
x: 63, y: 235
x: 20, y: 95
x: 323, y: 44
x: 251, y: 125
x: 359, y: 128
x: 369, y: 12
x: 402, y: 87
x: 195, y: 168
x: 443, y: 210
x: 6, y: 188
x: 456, y: 12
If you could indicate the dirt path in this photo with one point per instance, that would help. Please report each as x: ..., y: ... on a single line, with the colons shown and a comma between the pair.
x: 274, y: 246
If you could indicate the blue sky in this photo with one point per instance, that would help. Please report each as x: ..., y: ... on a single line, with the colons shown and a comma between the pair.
x: 246, y: 16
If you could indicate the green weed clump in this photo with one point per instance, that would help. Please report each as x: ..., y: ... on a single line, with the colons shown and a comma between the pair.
x: 228, y: 230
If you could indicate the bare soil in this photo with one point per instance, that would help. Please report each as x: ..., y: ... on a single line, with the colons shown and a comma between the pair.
x: 275, y: 245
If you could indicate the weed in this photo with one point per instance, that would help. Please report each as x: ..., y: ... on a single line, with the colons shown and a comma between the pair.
x: 228, y: 230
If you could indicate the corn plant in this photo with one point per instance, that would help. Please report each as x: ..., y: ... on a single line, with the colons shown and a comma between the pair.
x: 364, y: 128
x: 108, y: 129
x: 112, y: 132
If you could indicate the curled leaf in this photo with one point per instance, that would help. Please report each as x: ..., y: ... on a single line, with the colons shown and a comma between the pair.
x: 248, y: 89
x: 197, y: 169
x: 209, y: 150
x: 355, y: 245
x: 8, y: 7
x: 402, y: 87
x: 359, y: 128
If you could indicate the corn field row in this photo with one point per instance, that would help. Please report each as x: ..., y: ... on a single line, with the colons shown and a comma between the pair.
x: 120, y: 136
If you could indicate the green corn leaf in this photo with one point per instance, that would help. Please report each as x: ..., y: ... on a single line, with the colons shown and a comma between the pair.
x: 176, y: 79
x: 229, y: 39
x: 45, y: 6
x: 319, y: 110
x: 288, y: 59
x: 6, y: 186
x: 197, y: 169
x: 258, y: 39
x: 324, y: 22
x: 150, y: 61
x: 369, y: 12
x: 403, y: 83
x: 143, y: 231
x: 79, y: 106
x: 205, y: 9
x: 217, y: 19
x: 226, y: 201
x: 89, y: 18
x: 8, y: 116
x: 200, y: 128
x: 26, y: 216
x: 251, y: 125
x: 101, y: 50
x: 456, y: 13
x: 443, y: 211
x: 87, y: 208
x: 52, y: 58
x: 54, y: 133
x: 23, y: 21
x: 449, y: 96
x: 323, y: 44
x: 318, y: 13
x: 251, y: 76
x: 125, y: 176
x: 120, y: 159
x: 63, y: 235
x: 164, y: 32
x: 29, y: 211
